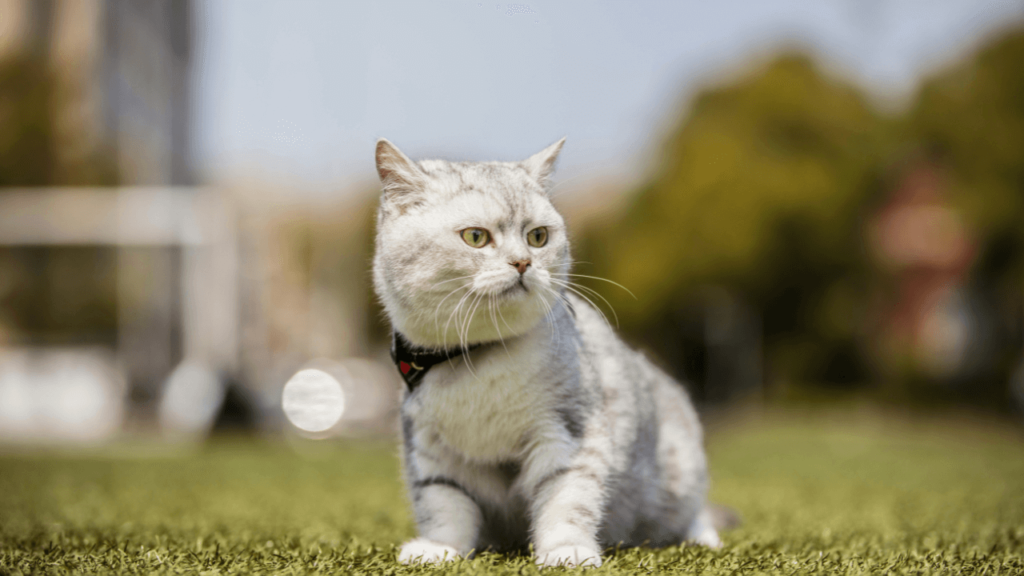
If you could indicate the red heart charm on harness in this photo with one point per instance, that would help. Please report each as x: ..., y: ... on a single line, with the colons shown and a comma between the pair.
x: 404, y: 367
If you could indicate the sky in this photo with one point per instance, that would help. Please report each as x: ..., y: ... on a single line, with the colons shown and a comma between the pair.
x: 298, y: 92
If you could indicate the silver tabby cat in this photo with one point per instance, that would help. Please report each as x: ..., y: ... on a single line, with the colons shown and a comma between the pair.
x: 550, y: 431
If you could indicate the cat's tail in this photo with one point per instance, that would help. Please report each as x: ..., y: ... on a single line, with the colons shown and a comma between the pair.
x: 723, y: 517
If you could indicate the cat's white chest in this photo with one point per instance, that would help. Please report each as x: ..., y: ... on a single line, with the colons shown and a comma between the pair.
x: 489, y: 415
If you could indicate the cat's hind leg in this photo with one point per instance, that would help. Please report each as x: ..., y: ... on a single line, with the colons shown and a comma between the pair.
x: 702, y: 530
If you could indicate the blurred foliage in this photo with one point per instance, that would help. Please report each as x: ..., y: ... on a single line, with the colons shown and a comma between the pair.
x: 973, y: 115
x: 760, y: 201
x: 63, y: 294
x: 32, y: 144
x: 776, y: 163
x: 760, y: 194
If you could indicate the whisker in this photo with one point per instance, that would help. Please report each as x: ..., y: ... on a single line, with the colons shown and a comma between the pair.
x: 549, y: 315
x: 552, y: 195
x: 468, y: 320
x: 465, y: 334
x: 459, y: 319
x: 454, y: 314
x: 596, y: 278
x: 595, y: 293
x: 452, y: 280
x: 502, y: 316
x: 584, y: 296
x: 438, y: 309
x: 565, y: 302
x: 494, y: 320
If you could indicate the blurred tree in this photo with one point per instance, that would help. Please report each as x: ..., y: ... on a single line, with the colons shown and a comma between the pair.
x: 760, y: 193
x: 973, y: 115
x: 754, y: 220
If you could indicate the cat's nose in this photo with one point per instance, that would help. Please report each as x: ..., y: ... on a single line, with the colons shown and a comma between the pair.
x: 520, y: 265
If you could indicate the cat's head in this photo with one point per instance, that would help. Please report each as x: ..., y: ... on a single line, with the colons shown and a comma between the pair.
x: 467, y: 252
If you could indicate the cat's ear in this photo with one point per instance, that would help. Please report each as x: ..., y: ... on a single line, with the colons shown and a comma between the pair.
x: 399, y: 175
x: 542, y: 164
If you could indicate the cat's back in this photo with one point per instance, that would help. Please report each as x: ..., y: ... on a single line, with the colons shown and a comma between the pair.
x: 608, y: 363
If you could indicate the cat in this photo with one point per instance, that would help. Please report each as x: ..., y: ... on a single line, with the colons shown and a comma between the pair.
x: 527, y: 421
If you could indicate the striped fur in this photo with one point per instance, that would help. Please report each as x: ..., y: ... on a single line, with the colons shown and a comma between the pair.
x: 555, y: 434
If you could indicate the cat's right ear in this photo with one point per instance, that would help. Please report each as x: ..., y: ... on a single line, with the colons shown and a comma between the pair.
x: 542, y: 164
x: 401, y: 177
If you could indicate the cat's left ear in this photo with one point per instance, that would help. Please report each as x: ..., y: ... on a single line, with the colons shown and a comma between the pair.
x: 542, y: 164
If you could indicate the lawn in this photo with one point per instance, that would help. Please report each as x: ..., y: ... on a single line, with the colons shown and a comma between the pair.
x: 833, y: 494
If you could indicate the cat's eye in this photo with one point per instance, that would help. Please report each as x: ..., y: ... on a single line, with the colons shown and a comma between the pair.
x: 537, y: 237
x: 476, y: 237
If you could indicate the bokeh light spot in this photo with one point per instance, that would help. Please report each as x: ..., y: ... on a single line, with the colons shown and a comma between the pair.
x: 313, y: 400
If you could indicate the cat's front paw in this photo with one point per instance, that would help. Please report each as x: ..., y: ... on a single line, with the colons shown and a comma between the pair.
x: 570, y: 556
x: 421, y: 550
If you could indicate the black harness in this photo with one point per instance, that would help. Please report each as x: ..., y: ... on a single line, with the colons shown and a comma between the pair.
x: 413, y: 362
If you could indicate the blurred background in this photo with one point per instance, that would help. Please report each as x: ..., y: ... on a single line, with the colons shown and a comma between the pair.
x: 812, y: 202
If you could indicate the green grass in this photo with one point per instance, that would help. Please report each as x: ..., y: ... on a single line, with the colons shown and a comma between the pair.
x: 817, y: 496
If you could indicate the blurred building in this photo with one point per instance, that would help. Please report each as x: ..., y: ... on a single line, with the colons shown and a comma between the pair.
x: 154, y: 301
x: 126, y: 66
x: 935, y: 320
x: 107, y: 276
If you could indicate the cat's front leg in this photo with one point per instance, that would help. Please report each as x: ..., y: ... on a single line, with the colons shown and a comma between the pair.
x: 567, y: 507
x: 448, y: 517
x: 448, y: 520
